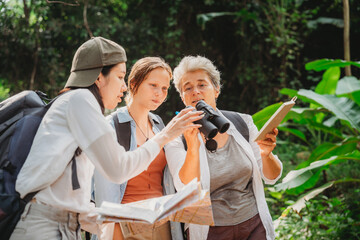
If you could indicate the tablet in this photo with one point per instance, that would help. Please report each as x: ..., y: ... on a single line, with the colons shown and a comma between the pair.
x: 275, y: 119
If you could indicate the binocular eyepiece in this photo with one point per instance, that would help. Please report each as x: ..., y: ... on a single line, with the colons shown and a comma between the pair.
x: 212, y: 122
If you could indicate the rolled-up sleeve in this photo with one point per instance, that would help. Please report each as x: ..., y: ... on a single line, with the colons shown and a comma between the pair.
x: 114, y: 163
x: 175, y: 157
x: 253, y: 131
x: 97, y: 139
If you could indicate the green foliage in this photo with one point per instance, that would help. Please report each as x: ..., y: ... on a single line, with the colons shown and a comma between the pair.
x: 306, y: 177
x: 4, y: 91
x: 261, y: 117
x: 330, y: 149
x: 323, y: 218
x: 329, y: 81
x: 42, y: 37
x: 260, y: 47
x: 349, y: 87
x: 328, y: 128
x: 324, y: 64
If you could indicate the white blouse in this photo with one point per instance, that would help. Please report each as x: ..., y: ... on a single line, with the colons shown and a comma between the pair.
x: 75, y: 120
x: 175, y: 155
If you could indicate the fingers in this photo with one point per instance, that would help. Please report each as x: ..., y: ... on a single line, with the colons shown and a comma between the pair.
x: 271, y: 137
x: 184, y: 111
x: 192, y: 132
x: 269, y: 143
x: 266, y: 147
x: 191, y: 136
x: 190, y: 116
x: 276, y: 131
x: 187, y: 118
x: 266, y: 143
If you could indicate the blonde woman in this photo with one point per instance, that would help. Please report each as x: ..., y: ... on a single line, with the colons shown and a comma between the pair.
x: 148, y: 84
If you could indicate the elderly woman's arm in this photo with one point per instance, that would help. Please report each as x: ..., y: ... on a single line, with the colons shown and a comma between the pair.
x: 191, y: 167
x: 270, y: 165
x: 183, y: 165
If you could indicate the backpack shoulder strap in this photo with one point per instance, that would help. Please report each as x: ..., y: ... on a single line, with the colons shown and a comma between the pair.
x: 123, y: 132
x: 160, y: 124
x: 238, y: 121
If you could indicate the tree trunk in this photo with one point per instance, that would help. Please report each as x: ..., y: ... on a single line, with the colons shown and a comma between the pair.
x: 347, y: 36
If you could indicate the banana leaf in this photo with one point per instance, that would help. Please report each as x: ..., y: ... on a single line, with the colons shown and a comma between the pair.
x: 342, y: 108
x: 305, y: 178
x: 329, y: 81
x: 349, y: 87
x: 327, y: 149
x: 323, y: 64
x: 263, y: 115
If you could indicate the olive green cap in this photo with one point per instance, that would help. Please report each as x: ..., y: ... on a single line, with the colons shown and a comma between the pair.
x: 90, y: 58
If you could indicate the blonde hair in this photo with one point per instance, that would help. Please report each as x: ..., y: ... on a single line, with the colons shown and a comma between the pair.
x: 140, y: 71
x: 192, y: 63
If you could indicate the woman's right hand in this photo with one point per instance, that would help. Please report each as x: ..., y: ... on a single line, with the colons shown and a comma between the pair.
x: 179, y: 124
x: 192, y: 139
x: 191, y: 166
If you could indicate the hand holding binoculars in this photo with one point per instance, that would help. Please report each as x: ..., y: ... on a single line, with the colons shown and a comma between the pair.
x: 212, y: 123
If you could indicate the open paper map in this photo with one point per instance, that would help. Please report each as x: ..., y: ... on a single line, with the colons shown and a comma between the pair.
x: 190, y: 205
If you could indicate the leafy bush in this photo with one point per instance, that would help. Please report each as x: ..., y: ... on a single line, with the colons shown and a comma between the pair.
x: 327, y: 128
x: 322, y: 218
x: 4, y: 91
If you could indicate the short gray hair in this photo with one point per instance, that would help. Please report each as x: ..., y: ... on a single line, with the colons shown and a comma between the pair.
x: 192, y: 63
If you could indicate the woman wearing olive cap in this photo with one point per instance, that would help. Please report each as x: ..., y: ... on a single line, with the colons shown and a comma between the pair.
x: 75, y: 120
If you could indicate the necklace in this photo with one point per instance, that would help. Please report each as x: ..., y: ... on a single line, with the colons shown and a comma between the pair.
x: 147, y: 128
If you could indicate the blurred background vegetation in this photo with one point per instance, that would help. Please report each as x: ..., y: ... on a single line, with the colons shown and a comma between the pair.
x: 266, y: 52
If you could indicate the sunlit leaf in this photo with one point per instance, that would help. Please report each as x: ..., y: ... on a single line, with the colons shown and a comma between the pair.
x: 295, y: 132
x: 327, y: 129
x: 309, y: 183
x: 329, y: 81
x: 356, y: 97
x: 343, y: 108
x: 305, y: 178
x: 300, y: 203
x: 323, y: 64
x: 327, y: 149
x: 348, y: 85
x: 263, y: 115
x: 287, y: 91
x: 277, y: 195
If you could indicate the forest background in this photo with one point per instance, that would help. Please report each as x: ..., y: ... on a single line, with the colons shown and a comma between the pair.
x: 266, y: 52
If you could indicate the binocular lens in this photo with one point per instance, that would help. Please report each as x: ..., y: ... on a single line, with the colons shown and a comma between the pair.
x: 212, y: 123
x: 208, y: 129
x: 212, y: 133
x: 224, y: 128
x: 221, y: 123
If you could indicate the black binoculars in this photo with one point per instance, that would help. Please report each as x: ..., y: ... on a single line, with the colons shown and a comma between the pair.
x: 212, y: 122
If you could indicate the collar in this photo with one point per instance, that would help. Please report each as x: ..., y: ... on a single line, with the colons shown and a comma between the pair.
x: 124, y: 116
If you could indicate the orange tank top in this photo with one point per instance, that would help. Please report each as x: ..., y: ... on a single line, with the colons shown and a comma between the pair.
x: 148, y: 183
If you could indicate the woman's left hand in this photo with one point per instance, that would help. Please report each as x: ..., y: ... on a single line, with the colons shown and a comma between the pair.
x: 268, y: 144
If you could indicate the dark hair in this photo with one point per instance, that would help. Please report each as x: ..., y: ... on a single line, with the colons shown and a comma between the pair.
x: 94, y: 88
x: 106, y: 69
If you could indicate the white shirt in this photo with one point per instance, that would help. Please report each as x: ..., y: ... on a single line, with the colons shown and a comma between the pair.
x: 75, y: 119
x: 175, y: 155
